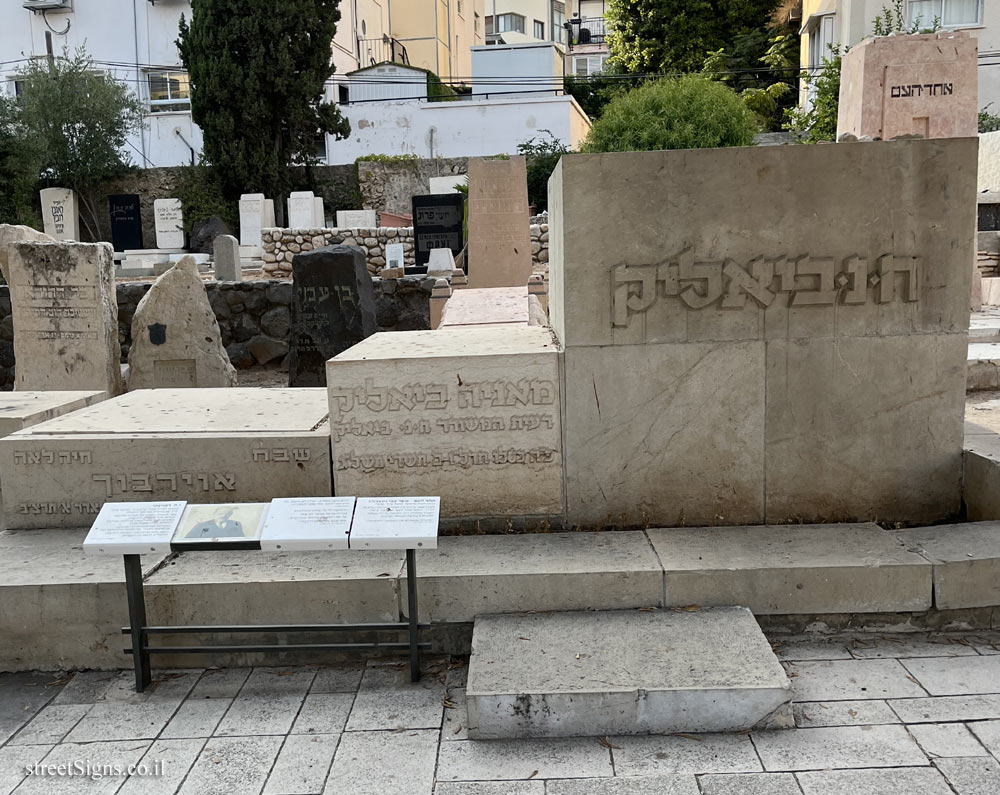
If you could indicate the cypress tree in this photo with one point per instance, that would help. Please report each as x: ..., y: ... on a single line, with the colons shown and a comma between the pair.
x: 258, y: 70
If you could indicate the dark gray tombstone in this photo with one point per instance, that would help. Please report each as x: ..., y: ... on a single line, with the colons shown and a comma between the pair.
x: 333, y: 308
x: 438, y: 222
x: 126, y: 222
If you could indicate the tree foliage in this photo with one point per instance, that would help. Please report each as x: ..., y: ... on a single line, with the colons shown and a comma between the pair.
x: 258, y: 74
x: 818, y: 121
x: 20, y: 164
x: 668, y: 36
x: 78, y: 120
x: 541, y: 156
x: 689, y: 112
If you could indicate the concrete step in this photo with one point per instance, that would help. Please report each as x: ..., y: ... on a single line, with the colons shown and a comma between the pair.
x: 623, y: 672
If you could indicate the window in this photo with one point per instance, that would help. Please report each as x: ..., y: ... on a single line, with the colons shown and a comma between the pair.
x: 510, y: 22
x: 820, y: 41
x: 343, y: 95
x: 587, y: 65
x: 558, y: 19
x: 950, y: 13
x: 168, y: 91
x: 489, y: 26
x: 539, y: 30
x: 15, y: 86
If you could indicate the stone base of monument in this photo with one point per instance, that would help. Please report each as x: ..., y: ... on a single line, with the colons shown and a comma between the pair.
x: 199, y: 445
x: 623, y: 672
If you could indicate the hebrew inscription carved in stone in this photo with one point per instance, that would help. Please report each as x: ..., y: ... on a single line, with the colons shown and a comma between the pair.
x: 52, y: 457
x: 446, y: 459
x: 803, y: 280
x: 917, y: 90
x: 143, y: 483
x: 488, y: 394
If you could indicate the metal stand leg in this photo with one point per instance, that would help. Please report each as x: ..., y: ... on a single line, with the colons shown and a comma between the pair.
x: 137, y: 621
x: 411, y: 604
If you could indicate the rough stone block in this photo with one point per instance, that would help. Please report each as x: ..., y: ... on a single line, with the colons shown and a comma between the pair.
x: 205, y: 445
x: 22, y: 409
x: 966, y: 559
x: 475, y: 575
x: 786, y: 569
x: 623, y: 672
x: 471, y: 416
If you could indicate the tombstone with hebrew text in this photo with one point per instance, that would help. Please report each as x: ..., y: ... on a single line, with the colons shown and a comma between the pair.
x: 333, y: 308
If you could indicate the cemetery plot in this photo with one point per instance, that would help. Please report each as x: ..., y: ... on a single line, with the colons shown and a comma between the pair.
x: 21, y: 409
x: 203, y: 446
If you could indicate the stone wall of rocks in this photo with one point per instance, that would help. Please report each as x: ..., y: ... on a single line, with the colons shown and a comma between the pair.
x: 388, y: 184
x: 280, y: 245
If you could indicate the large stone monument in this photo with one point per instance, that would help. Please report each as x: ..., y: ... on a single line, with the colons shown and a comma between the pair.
x: 176, y: 342
x: 126, y: 221
x: 757, y: 350
x: 499, y: 230
x: 169, y: 218
x: 471, y: 415
x: 65, y: 316
x: 924, y: 85
x: 333, y: 308
x: 60, y: 213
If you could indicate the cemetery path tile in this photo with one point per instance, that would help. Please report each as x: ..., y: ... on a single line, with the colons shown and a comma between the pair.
x: 851, y: 679
x: 323, y: 713
x: 636, y: 785
x: 22, y: 695
x: 456, y: 718
x: 889, y: 647
x: 87, y: 758
x: 51, y: 725
x: 115, y: 720
x: 750, y: 784
x: 794, y: 649
x: 988, y: 733
x: 231, y: 765
x: 220, y: 683
x: 167, y: 686
x: 977, y: 775
x: 196, y: 717
x: 702, y: 753
x: 384, y: 763
x: 170, y: 761
x: 86, y: 687
x: 302, y: 765
x: 268, y: 703
x: 818, y: 714
x: 13, y: 761
x: 946, y: 739
x: 946, y: 676
x: 883, y: 781
x: 493, y: 760
x: 947, y: 708
x: 490, y: 788
x: 840, y: 747
x: 338, y: 678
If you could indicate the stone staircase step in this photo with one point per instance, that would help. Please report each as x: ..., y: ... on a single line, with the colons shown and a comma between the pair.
x: 623, y: 672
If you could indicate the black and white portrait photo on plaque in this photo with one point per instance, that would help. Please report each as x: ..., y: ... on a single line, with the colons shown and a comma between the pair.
x: 225, y: 521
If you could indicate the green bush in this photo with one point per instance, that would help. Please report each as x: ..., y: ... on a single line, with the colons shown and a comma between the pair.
x: 819, y: 122
x: 682, y: 113
x: 541, y: 156
x: 202, y: 196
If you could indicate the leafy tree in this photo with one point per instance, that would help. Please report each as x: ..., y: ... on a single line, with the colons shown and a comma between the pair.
x: 541, y: 156
x: 20, y: 164
x: 80, y: 120
x: 594, y: 92
x: 892, y: 20
x: 674, y: 35
x: 988, y: 122
x: 257, y: 75
x: 819, y: 122
x: 689, y: 112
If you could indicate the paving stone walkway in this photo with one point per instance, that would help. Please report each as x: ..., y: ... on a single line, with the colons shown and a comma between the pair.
x: 876, y: 715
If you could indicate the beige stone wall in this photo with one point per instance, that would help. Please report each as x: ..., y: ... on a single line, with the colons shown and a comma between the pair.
x: 782, y: 339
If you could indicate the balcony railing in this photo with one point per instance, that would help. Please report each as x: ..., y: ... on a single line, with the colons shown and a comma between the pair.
x: 385, y: 49
x: 586, y: 30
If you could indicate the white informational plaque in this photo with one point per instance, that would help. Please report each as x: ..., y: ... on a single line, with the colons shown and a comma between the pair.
x: 133, y: 528
x: 396, y: 523
x: 307, y: 523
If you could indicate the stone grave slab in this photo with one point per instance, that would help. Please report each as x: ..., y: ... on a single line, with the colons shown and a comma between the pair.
x: 319, y: 213
x: 357, y: 219
x: 499, y: 231
x: 489, y: 306
x: 723, y: 375
x: 252, y: 214
x: 623, y: 672
x: 438, y: 222
x: 202, y: 446
x: 65, y: 316
x: 226, y: 255
x: 169, y: 218
x: 333, y: 308
x: 15, y: 233
x: 471, y: 415
x: 22, y: 409
x: 126, y: 221
x: 60, y: 213
x: 301, y: 210
x: 176, y: 342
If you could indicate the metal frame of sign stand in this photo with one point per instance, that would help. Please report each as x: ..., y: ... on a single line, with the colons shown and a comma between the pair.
x: 140, y: 632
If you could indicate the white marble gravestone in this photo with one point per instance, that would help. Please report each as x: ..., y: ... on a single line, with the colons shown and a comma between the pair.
x: 252, y: 214
x: 301, y: 210
x: 357, y: 219
x: 169, y: 219
x: 60, y: 213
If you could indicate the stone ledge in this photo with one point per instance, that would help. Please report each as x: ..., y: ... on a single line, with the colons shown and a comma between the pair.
x: 966, y: 561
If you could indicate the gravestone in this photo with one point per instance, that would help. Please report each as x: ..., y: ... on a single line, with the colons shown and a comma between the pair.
x: 333, y: 307
x: 14, y: 233
x: 301, y: 210
x: 228, y: 267
x: 926, y: 85
x: 268, y: 220
x: 169, y: 219
x: 438, y: 222
x: 767, y: 369
x: 394, y: 256
x: 252, y: 217
x: 499, y: 230
x: 65, y: 316
x: 441, y: 263
x: 60, y: 213
x: 357, y: 219
x: 176, y: 342
x: 126, y: 221
x: 319, y: 214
